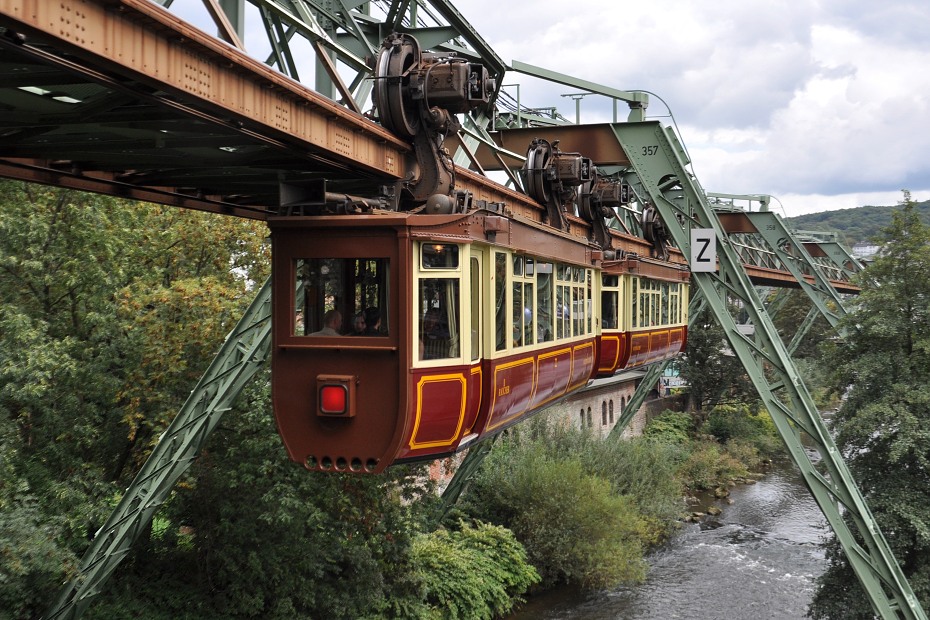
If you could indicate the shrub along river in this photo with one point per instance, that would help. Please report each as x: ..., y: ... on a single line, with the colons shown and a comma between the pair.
x: 758, y: 560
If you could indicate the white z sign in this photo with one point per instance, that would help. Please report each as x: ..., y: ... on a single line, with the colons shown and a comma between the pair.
x: 703, y: 250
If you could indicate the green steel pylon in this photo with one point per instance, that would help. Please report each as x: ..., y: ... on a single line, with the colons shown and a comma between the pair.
x: 241, y: 356
x: 659, y: 173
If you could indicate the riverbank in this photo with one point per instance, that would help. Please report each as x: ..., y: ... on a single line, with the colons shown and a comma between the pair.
x: 758, y: 558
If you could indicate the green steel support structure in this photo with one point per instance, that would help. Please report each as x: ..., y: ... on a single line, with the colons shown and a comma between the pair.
x: 794, y: 257
x: 659, y: 175
x: 804, y: 328
x: 466, y: 471
x: 241, y: 356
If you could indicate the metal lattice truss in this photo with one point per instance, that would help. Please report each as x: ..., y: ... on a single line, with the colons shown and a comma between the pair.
x: 659, y: 171
x: 346, y: 36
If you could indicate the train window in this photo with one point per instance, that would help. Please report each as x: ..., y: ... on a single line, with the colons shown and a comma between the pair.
x: 439, y: 256
x: 656, y: 303
x: 666, y: 302
x: 523, y: 314
x: 500, y: 301
x: 634, y: 297
x: 675, y: 302
x: 337, y: 292
x: 544, y: 302
x: 610, y: 316
x: 577, y: 307
x: 568, y: 312
x: 589, y: 310
x: 438, y: 300
x: 518, y: 313
x: 523, y: 301
x: 650, y: 304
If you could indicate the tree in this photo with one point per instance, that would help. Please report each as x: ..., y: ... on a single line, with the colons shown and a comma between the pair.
x: 715, y: 374
x: 75, y: 383
x: 884, y: 368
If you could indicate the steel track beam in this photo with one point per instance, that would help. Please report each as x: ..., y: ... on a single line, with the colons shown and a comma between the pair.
x: 793, y: 255
x: 241, y: 356
x: 660, y: 172
x: 140, y: 40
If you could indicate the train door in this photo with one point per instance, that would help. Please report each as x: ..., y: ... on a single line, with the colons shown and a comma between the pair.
x: 445, y: 378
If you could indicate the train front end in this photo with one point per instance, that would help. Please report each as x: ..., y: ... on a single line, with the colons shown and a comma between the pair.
x: 339, y: 318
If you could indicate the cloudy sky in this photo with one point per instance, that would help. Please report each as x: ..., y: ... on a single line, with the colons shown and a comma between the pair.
x: 824, y: 104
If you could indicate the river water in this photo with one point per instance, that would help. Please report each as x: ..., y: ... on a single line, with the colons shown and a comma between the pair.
x: 757, y: 560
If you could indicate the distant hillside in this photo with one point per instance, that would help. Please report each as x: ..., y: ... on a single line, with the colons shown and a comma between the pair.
x: 853, y: 225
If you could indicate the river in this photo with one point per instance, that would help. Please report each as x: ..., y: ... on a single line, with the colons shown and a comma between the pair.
x: 757, y: 560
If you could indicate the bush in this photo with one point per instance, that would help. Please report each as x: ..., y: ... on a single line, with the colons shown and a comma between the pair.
x: 33, y: 562
x: 670, y: 427
x: 476, y: 572
x: 729, y: 424
x: 709, y: 465
x: 584, y: 508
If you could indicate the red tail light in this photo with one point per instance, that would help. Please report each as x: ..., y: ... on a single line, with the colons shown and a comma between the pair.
x: 333, y: 399
x: 336, y: 396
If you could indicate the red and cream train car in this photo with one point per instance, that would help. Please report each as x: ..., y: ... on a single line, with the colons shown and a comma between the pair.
x: 402, y: 336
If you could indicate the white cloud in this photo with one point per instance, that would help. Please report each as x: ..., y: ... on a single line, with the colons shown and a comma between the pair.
x: 823, y: 103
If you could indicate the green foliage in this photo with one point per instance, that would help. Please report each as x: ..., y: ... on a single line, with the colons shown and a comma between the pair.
x: 883, y: 368
x: 573, y: 506
x: 714, y: 374
x: 670, y: 427
x: 790, y: 317
x: 473, y: 573
x: 70, y: 392
x: 856, y: 224
x: 745, y: 440
x: 32, y: 561
x: 737, y: 422
x: 708, y: 465
x: 276, y: 541
x: 110, y: 312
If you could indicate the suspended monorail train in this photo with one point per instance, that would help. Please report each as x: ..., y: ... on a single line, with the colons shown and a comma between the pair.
x: 410, y: 334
